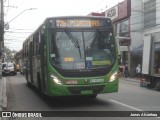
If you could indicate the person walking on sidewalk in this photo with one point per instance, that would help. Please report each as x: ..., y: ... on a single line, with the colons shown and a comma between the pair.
x: 138, y: 71
x: 126, y: 71
x: 121, y: 70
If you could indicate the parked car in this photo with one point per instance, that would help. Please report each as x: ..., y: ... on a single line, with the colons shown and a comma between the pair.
x: 9, y: 69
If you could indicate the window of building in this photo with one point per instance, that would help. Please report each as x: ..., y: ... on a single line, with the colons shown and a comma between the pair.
x: 150, y: 13
x: 156, y: 58
x: 123, y: 28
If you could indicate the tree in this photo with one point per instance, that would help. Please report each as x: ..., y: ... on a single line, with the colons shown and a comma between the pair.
x: 8, y: 54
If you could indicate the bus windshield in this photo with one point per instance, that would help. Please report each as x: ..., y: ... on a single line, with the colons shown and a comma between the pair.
x: 81, y: 49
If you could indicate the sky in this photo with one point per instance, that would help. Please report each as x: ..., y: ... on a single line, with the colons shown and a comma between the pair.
x: 27, y: 21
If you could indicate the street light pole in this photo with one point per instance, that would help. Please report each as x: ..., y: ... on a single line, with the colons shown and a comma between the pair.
x: 19, y: 15
x: 1, y: 35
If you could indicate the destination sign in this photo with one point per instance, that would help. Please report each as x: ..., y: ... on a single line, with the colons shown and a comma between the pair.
x: 78, y: 23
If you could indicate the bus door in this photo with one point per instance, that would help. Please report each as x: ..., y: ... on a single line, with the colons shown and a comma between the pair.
x: 30, y: 73
x: 43, y: 61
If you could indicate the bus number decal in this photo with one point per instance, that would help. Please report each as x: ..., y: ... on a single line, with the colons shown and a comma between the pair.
x: 61, y: 23
x: 68, y: 59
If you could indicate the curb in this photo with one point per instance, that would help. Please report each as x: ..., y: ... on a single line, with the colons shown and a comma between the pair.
x: 4, y: 99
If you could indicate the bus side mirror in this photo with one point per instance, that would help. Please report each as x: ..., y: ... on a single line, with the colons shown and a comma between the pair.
x: 43, y: 30
x: 41, y: 35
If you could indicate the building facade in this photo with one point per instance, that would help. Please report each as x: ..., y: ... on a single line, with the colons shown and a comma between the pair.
x: 144, y: 21
x: 133, y: 21
x: 120, y: 15
x: 136, y: 26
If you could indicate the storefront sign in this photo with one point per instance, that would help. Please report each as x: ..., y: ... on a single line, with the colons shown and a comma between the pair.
x: 112, y: 13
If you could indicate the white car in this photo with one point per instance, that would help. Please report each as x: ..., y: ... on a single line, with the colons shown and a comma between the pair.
x: 9, y: 69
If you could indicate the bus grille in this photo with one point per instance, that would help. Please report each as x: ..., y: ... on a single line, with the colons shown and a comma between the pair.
x: 91, y: 73
x: 95, y: 89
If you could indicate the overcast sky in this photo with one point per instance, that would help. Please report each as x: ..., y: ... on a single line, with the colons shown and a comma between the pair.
x: 22, y: 26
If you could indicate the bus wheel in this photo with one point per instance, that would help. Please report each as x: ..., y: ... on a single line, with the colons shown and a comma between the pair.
x: 157, y: 86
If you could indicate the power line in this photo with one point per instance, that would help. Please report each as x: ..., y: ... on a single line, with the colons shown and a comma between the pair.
x: 17, y: 32
x: 142, y: 11
x: 21, y: 29
x: 15, y: 37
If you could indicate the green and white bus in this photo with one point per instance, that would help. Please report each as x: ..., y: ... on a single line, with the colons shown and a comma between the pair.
x: 69, y: 56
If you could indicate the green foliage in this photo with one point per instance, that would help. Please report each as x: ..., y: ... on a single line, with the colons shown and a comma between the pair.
x: 8, y: 54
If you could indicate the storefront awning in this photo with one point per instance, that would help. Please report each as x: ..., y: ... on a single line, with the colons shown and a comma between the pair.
x: 138, y: 50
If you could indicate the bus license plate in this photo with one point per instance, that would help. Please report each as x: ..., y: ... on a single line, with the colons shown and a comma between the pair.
x: 96, y: 80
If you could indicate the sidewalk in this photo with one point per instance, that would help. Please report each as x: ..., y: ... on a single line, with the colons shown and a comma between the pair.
x: 3, y: 97
x: 130, y: 79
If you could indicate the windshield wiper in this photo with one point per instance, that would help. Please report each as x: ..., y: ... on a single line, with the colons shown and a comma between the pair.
x: 74, y: 41
x: 94, y: 39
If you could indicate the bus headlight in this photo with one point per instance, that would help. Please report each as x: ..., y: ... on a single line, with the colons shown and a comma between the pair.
x: 113, y: 77
x: 56, y: 80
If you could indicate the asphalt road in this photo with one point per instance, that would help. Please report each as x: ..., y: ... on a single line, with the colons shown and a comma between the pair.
x: 130, y: 97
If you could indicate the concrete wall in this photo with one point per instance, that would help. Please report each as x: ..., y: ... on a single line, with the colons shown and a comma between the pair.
x: 138, y: 31
x: 158, y: 12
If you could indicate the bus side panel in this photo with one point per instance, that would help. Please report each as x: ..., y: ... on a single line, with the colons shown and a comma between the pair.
x: 34, y: 68
x: 42, y: 64
x: 29, y: 71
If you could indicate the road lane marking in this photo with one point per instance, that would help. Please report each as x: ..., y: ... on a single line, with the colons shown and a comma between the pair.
x: 128, y: 106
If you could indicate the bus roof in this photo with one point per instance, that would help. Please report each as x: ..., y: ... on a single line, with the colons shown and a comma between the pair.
x: 101, y: 17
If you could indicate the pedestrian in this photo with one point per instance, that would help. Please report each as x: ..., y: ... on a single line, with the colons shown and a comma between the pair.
x: 126, y: 71
x: 138, y: 71
x: 121, y: 70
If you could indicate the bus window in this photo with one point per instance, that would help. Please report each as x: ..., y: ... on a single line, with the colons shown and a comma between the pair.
x: 67, y: 49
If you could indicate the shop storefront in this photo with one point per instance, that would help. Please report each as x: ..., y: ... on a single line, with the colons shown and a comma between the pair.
x: 120, y: 15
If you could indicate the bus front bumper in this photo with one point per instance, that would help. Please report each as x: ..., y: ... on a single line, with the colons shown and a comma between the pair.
x: 70, y: 90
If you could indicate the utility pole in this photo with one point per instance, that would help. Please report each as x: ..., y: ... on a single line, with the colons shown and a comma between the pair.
x: 1, y: 35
